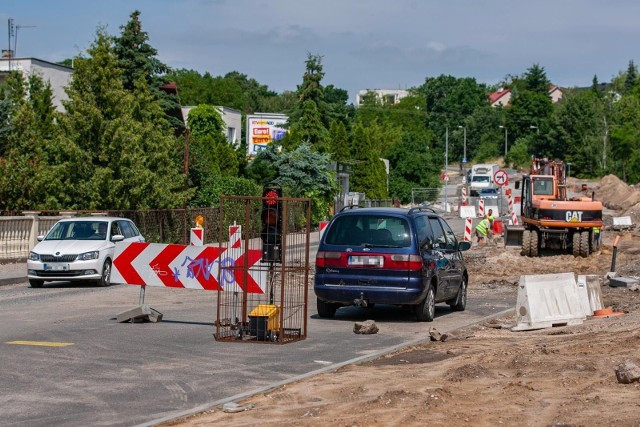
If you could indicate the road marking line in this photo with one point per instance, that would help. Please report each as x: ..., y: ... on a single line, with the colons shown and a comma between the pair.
x: 41, y: 343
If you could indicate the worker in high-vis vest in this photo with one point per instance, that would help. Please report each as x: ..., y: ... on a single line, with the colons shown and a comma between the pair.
x: 484, y: 229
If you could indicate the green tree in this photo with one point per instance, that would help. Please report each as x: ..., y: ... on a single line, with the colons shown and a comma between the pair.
x: 413, y: 165
x: 631, y: 77
x: 369, y: 175
x: 115, y: 147
x: 304, y: 173
x: 138, y: 60
x: 308, y: 129
x: 209, y: 152
x: 339, y: 139
x: 27, y: 181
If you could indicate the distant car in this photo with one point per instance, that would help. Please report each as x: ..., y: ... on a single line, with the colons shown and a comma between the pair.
x: 488, y: 193
x: 406, y: 257
x: 79, y: 249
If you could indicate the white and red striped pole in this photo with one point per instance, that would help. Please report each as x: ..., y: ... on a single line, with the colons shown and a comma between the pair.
x: 464, y: 196
x: 468, y: 224
x: 514, y: 218
x: 481, y: 208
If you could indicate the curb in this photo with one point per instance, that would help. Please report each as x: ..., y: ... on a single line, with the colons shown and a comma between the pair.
x: 241, y: 396
x: 12, y: 280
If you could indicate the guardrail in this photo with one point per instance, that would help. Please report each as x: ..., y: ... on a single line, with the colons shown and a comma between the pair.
x: 18, y: 234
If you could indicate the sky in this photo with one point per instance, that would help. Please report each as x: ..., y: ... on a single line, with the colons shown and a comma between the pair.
x: 364, y: 44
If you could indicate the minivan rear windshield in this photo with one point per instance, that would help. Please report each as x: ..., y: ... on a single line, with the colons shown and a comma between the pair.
x: 369, y: 230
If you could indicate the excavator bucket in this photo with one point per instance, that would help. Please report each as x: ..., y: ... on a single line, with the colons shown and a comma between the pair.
x: 513, y: 235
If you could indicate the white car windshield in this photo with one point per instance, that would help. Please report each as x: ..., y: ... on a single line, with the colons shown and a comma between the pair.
x: 78, y: 230
x: 480, y: 178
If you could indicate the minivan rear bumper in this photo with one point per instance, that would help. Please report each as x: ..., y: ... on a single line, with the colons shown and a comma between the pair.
x: 376, y: 294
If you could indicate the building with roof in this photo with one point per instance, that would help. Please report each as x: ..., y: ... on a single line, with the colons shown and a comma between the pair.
x: 57, y: 75
x: 386, y: 96
x: 232, y: 119
x: 503, y: 96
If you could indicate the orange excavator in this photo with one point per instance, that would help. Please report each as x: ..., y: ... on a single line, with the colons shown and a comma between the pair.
x: 550, y: 219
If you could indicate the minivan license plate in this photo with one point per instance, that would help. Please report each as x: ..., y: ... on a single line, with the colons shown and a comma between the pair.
x: 373, y: 261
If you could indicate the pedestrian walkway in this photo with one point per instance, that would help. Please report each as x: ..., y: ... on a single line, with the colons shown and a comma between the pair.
x: 13, y: 273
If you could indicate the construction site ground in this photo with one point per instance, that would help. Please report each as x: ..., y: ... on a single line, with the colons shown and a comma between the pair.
x: 486, y: 375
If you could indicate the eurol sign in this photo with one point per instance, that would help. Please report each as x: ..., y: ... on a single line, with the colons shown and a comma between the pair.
x: 262, y: 129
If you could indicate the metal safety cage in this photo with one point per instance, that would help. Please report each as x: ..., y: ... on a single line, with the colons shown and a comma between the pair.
x: 264, y: 269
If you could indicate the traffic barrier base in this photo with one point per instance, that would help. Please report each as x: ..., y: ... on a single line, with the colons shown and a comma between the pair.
x: 547, y: 300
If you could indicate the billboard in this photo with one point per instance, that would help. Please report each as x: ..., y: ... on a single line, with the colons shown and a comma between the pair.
x: 263, y: 129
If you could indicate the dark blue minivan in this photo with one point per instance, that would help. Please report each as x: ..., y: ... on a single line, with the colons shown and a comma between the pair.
x: 407, y: 257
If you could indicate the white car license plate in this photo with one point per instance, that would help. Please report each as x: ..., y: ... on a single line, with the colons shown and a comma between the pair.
x: 373, y: 261
x: 56, y: 267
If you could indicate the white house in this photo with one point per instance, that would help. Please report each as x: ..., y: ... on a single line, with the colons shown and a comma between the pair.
x: 386, y: 96
x: 232, y: 120
x: 57, y: 75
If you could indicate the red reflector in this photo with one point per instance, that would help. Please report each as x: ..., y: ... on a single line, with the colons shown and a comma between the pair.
x: 328, y: 259
x: 404, y: 262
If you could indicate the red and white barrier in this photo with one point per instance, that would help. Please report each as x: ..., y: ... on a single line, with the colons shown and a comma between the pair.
x: 189, y: 267
x: 197, y: 237
x: 510, y: 202
x: 481, y: 208
x: 468, y: 224
x: 514, y: 218
x: 235, y: 236
x: 323, y: 226
x: 464, y: 196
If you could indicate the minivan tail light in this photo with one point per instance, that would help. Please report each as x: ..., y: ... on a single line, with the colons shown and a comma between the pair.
x: 328, y: 259
x: 404, y: 262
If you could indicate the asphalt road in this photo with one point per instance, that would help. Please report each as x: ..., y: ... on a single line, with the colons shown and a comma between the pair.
x: 107, y: 373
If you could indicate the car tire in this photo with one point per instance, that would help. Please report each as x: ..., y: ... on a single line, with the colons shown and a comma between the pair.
x: 105, y: 279
x: 36, y: 283
x: 426, y: 310
x: 326, y: 310
x: 460, y: 303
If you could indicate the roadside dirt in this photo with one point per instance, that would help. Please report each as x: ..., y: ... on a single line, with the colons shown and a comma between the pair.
x: 486, y: 375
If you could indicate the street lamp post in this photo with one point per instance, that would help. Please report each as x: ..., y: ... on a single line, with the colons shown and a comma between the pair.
x: 505, y: 140
x: 464, y: 152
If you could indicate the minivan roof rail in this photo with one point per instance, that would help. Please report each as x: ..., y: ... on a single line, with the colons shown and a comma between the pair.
x: 422, y: 209
x: 350, y: 207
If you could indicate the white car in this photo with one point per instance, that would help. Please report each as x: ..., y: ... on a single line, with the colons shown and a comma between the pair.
x: 79, y: 249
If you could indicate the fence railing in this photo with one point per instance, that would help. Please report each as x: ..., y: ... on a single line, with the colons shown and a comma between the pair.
x: 18, y: 233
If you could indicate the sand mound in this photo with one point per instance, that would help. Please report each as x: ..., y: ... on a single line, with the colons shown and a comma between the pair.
x: 616, y: 194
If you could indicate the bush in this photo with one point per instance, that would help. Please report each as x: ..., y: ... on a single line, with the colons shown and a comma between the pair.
x: 215, y: 186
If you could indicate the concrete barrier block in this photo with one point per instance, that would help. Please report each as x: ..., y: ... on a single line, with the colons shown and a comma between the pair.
x: 547, y: 300
x: 583, y: 294
x: 138, y: 314
x: 623, y: 282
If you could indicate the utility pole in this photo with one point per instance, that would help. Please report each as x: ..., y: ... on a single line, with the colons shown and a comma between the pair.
x: 10, y: 28
x: 446, y: 165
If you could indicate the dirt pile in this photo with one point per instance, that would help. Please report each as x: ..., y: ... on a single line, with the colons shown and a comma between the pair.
x: 616, y: 194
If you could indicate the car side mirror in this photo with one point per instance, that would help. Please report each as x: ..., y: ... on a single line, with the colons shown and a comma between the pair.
x: 40, y: 238
x: 464, y: 245
x: 117, y: 238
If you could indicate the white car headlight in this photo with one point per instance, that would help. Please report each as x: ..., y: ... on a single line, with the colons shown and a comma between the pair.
x: 88, y: 255
x: 34, y: 256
